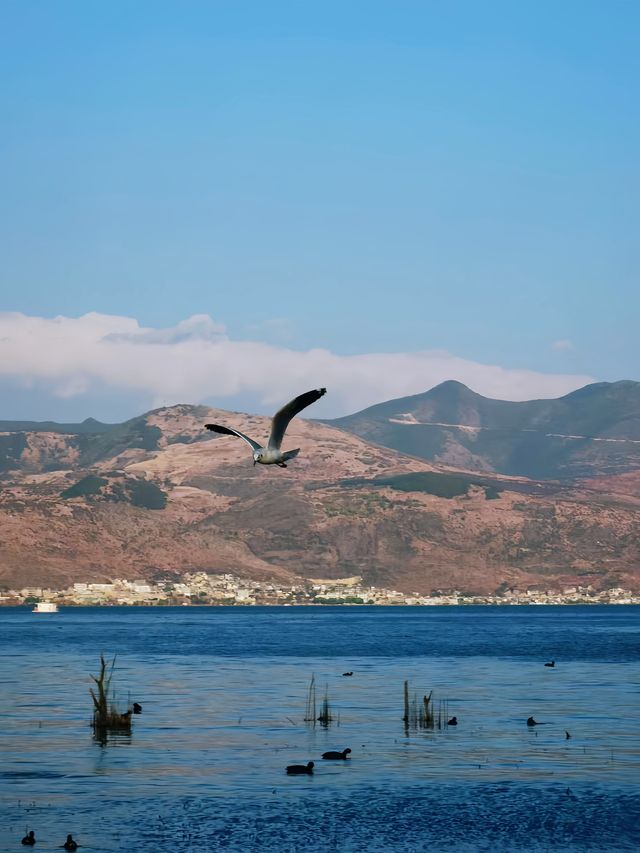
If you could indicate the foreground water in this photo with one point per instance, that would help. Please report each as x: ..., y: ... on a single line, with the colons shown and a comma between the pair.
x: 224, y: 693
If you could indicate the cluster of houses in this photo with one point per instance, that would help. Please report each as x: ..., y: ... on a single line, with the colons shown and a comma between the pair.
x: 227, y: 589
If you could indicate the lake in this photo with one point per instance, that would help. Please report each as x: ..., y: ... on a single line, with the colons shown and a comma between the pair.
x: 224, y: 693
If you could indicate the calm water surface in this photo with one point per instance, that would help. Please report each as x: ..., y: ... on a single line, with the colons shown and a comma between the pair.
x: 224, y: 692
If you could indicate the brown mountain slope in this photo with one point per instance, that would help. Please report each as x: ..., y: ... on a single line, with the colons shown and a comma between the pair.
x: 343, y: 507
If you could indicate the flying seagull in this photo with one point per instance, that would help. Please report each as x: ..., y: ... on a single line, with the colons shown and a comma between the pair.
x: 271, y: 454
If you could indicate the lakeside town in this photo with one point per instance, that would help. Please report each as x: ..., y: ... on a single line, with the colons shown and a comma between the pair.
x: 201, y: 588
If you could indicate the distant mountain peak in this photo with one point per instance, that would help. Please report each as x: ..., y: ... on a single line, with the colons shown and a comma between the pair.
x: 451, y: 388
x: 450, y: 383
x: 589, y: 432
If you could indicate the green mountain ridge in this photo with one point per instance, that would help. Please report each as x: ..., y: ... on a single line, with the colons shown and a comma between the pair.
x: 592, y: 431
x: 89, y: 426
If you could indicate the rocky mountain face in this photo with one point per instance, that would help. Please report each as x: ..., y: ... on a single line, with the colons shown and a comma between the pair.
x: 159, y: 496
x: 591, y: 432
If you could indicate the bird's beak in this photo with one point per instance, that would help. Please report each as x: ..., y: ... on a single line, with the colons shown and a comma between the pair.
x: 254, y: 463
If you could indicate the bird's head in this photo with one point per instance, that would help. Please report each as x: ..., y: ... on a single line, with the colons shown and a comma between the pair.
x: 257, y: 456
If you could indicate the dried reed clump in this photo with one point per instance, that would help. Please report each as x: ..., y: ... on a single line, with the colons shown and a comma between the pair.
x: 421, y: 715
x: 107, y: 717
x: 310, y: 710
x: 325, y: 717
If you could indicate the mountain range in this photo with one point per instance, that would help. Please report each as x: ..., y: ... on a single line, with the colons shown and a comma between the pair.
x: 590, y: 432
x: 158, y: 496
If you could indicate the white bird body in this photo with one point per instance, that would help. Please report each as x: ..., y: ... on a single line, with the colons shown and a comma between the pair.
x: 272, y: 454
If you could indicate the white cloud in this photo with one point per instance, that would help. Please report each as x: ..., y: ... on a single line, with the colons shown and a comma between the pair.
x: 199, y: 327
x: 563, y: 345
x: 196, y: 361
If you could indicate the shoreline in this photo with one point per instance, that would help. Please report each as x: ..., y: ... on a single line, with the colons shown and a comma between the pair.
x: 247, y: 606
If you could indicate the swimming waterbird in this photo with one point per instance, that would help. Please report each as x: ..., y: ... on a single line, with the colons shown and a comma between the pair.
x: 336, y: 756
x: 298, y: 769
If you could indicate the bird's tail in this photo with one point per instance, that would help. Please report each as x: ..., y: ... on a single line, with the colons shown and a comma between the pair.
x: 290, y: 454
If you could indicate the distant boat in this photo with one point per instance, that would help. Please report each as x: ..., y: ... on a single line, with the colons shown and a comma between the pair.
x: 45, y: 607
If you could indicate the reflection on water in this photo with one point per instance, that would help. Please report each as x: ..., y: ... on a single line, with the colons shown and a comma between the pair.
x: 205, y: 761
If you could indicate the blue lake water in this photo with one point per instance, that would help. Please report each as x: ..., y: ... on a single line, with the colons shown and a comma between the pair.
x: 224, y: 694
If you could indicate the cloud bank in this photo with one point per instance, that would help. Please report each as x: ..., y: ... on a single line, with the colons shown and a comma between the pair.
x: 196, y: 361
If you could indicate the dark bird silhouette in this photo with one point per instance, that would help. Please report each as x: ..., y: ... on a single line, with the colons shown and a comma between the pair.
x: 567, y: 735
x: 553, y: 663
x: 532, y: 722
x: 137, y: 709
x: 29, y: 839
x: 271, y: 454
x: 347, y: 673
x: 453, y: 721
x: 70, y: 844
x: 298, y: 769
x: 336, y: 756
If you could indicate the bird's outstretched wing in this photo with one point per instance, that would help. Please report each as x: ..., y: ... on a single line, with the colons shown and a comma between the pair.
x: 281, y: 419
x: 228, y: 431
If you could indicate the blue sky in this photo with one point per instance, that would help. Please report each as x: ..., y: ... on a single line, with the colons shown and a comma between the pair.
x: 359, y: 178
